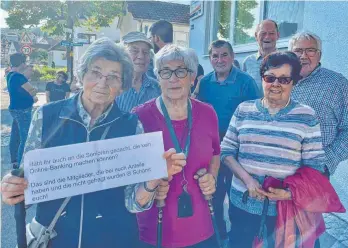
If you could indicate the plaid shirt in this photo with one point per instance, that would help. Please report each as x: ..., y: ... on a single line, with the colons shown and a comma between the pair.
x: 131, y: 98
x: 326, y: 92
x: 34, y: 141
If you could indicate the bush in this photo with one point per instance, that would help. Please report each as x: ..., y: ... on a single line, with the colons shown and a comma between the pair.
x: 45, y: 73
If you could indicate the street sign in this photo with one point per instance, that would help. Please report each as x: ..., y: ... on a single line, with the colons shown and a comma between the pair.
x: 68, y: 30
x: 66, y: 43
x: 12, y: 49
x: 26, y: 49
x: 78, y: 44
x: 26, y: 39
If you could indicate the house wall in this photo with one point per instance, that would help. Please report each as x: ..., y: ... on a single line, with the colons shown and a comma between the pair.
x: 58, y: 58
x: 128, y: 24
x: 181, y: 32
x: 111, y: 32
x: 328, y: 19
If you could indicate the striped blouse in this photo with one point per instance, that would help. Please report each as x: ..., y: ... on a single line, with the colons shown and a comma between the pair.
x: 267, y: 145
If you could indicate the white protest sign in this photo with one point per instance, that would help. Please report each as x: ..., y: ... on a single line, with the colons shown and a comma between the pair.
x: 64, y: 171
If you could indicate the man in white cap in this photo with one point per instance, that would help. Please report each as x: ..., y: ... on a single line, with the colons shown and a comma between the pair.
x: 144, y: 88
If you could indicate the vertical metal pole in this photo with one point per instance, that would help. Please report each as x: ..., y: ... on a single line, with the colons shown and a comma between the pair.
x: 19, y: 214
x: 70, y: 38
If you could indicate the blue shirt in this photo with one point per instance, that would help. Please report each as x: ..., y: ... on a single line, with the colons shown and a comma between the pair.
x: 227, y: 95
x: 251, y: 65
x: 19, y: 97
x: 131, y: 98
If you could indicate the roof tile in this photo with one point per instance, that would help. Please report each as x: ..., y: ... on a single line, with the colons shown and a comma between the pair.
x: 156, y: 10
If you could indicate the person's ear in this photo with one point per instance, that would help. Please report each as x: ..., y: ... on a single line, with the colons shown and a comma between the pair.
x: 156, y: 39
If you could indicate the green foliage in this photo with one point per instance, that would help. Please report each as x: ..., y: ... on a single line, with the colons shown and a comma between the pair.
x: 244, y: 21
x: 45, y: 73
x: 39, y: 56
x: 225, y: 17
x: 54, y: 15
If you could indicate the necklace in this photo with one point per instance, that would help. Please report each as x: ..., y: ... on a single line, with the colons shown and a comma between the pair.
x: 274, y: 110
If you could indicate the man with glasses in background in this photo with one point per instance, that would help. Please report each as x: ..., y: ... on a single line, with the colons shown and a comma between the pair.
x: 58, y: 89
x: 144, y: 88
x: 326, y: 92
x: 266, y: 35
x: 225, y: 88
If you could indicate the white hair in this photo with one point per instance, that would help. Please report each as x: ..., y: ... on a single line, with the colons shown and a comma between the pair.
x: 107, y: 49
x: 304, y: 35
x: 172, y: 52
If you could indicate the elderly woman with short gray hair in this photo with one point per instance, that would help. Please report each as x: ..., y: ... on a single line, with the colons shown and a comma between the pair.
x: 191, y: 127
x: 97, y: 219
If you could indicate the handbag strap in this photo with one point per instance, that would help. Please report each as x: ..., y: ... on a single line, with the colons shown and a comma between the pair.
x: 59, y: 212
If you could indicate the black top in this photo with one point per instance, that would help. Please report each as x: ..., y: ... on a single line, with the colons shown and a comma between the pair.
x: 57, y: 92
x: 19, y: 97
x: 200, y: 72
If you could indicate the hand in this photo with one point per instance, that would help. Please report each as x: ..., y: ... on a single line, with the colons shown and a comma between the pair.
x: 12, y: 189
x: 276, y: 194
x: 162, y: 190
x: 254, y: 188
x: 175, y: 162
x: 206, y: 183
x: 34, y: 91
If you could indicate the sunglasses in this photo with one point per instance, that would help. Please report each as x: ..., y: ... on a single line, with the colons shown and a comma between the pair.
x: 271, y: 79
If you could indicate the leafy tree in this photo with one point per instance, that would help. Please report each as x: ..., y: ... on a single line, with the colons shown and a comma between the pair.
x: 244, y: 21
x: 224, y: 21
x: 54, y: 15
x: 40, y: 56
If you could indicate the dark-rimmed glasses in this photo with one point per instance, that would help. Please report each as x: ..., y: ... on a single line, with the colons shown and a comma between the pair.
x: 271, y: 79
x: 179, y: 73
x: 311, y: 51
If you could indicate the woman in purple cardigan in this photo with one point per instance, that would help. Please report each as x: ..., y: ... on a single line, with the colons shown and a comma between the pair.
x: 191, y: 127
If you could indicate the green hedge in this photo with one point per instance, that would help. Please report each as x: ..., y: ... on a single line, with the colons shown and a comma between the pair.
x: 45, y: 73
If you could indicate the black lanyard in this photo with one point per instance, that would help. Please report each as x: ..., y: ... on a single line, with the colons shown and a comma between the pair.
x: 171, y: 129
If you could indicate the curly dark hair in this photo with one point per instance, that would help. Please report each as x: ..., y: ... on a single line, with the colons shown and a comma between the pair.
x: 277, y: 59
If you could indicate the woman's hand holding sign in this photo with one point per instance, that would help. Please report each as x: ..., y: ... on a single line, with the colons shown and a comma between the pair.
x: 175, y: 162
x: 12, y: 189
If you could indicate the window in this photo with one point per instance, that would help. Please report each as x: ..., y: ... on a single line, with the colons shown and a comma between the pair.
x: 288, y: 15
x: 247, y: 16
x: 63, y: 55
x: 86, y: 38
x: 248, y: 13
x: 223, y: 19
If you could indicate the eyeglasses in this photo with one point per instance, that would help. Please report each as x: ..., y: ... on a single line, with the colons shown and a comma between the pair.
x: 179, y: 73
x: 110, y: 80
x: 311, y: 52
x: 271, y: 79
x: 136, y: 52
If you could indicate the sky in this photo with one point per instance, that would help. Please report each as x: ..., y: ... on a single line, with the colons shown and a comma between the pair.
x: 3, y: 14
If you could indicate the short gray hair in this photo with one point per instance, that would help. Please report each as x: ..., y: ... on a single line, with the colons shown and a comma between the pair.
x: 172, y: 52
x: 107, y: 49
x: 304, y: 35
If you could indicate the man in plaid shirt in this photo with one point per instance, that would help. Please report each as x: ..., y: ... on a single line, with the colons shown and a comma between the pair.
x: 326, y: 92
